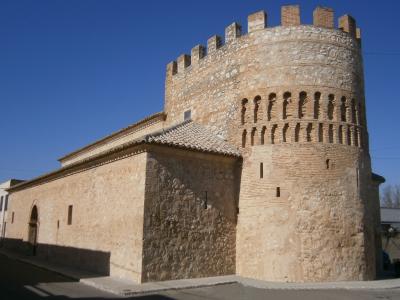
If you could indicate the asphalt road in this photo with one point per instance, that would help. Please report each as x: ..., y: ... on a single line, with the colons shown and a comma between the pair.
x: 24, y: 282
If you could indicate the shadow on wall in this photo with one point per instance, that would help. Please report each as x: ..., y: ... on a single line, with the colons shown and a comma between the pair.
x: 97, y: 262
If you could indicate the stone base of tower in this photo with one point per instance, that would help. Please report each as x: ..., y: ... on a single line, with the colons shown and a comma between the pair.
x: 305, y: 219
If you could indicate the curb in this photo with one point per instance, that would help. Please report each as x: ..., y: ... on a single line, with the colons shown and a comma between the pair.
x: 127, y: 292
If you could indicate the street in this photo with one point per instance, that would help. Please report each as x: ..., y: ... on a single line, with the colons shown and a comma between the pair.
x: 23, y: 281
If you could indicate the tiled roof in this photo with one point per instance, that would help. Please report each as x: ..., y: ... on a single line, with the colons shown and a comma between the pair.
x: 193, y: 136
x: 187, y: 135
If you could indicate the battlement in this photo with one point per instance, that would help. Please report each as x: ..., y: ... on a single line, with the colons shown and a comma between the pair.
x: 290, y: 16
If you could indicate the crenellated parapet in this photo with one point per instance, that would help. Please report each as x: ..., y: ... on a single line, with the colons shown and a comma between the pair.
x: 323, y: 17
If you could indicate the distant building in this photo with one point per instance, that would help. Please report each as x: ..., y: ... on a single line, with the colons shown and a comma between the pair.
x: 4, y: 204
x: 390, y: 222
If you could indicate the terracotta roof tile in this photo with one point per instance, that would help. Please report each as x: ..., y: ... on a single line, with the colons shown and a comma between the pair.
x: 193, y: 136
x: 186, y: 135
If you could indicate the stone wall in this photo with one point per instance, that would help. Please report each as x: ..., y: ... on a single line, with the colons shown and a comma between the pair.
x: 313, y: 229
x: 107, y: 218
x: 190, y: 215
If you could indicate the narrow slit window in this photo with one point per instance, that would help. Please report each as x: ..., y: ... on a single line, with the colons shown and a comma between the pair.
x: 261, y: 170
x: 12, y: 218
x: 70, y: 214
x: 327, y: 162
x: 187, y: 115
x: 278, y: 191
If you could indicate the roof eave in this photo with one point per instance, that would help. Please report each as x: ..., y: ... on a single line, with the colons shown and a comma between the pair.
x: 160, y: 115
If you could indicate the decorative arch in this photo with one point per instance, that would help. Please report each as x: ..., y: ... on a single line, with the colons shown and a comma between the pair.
x: 253, y: 136
x: 348, y: 136
x: 317, y: 105
x: 271, y: 106
x: 340, y: 134
x: 287, y: 100
x: 309, y: 130
x: 262, y: 137
x: 331, y: 107
x: 343, y: 109
x: 244, y: 137
x: 321, y: 132
x: 285, y: 133
x: 257, y: 101
x: 302, y: 104
x: 273, y: 132
x: 297, y: 133
x: 243, y: 111
x: 330, y: 133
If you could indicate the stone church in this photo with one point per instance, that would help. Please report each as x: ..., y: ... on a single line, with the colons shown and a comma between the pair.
x: 258, y: 165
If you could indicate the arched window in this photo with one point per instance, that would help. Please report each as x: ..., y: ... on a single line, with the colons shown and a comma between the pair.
x: 321, y: 133
x: 340, y: 134
x: 331, y: 106
x: 297, y: 133
x: 244, y: 137
x: 271, y: 106
x: 330, y: 133
x: 309, y: 132
x: 243, y: 112
x: 273, y: 131
x: 287, y: 100
x: 253, y: 135
x: 343, y: 109
x: 257, y: 101
x: 348, y: 135
x: 284, y: 133
x: 302, y: 104
x: 317, y: 97
x: 262, y: 137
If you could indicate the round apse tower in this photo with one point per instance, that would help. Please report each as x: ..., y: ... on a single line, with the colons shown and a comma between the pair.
x: 291, y: 97
x: 306, y: 189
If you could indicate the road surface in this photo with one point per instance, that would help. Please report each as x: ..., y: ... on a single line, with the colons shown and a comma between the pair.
x: 25, y: 282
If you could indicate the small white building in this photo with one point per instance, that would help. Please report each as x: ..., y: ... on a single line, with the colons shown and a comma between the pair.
x: 4, y: 205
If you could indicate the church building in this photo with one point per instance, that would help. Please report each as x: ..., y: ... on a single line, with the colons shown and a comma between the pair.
x: 258, y: 166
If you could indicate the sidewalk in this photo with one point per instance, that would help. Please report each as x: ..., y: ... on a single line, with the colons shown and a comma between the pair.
x: 128, y: 288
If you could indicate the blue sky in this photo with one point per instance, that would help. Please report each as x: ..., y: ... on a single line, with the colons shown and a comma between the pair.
x: 74, y: 71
